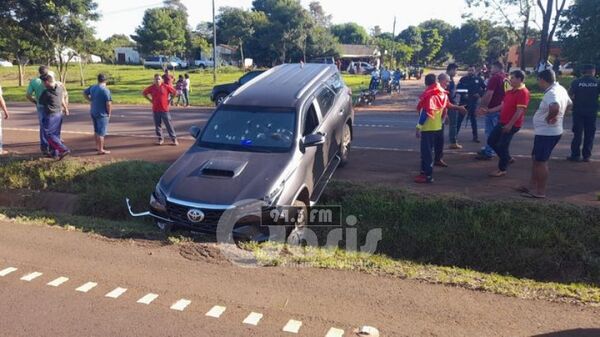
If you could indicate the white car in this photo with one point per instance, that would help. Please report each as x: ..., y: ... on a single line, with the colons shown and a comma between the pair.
x: 203, y: 64
x: 567, y: 69
x: 5, y: 63
x: 157, y: 62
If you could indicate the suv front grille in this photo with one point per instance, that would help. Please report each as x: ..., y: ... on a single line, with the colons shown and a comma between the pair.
x: 179, y: 213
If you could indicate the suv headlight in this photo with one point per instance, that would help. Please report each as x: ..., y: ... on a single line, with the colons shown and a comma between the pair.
x: 158, y: 199
x: 273, y: 196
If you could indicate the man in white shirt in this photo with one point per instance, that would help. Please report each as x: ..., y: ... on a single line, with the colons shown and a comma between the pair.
x: 548, y: 129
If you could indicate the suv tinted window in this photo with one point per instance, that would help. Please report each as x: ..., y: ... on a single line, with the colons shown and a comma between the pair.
x: 325, y: 98
x: 311, y: 121
x: 249, y: 76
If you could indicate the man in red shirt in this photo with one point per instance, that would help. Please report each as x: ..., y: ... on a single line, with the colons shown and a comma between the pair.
x: 158, y: 95
x: 490, y: 101
x: 512, y: 113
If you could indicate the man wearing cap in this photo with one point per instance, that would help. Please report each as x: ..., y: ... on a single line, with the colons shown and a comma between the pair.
x: 53, y: 101
x: 100, y: 109
x: 584, y: 93
x: 34, y: 91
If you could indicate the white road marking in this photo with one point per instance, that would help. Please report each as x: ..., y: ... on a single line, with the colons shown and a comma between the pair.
x: 116, y: 293
x: 253, y: 319
x: 31, y: 277
x: 147, y: 299
x: 59, y: 281
x: 7, y: 271
x: 292, y: 326
x: 181, y: 304
x: 87, y: 287
x: 216, y: 311
x: 334, y: 332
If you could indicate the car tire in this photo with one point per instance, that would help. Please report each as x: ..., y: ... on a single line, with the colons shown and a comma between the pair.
x: 345, y: 145
x: 219, y: 98
x: 202, y: 66
x: 297, y: 234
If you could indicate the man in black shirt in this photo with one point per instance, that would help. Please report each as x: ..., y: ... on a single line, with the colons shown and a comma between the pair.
x: 54, y: 103
x: 584, y: 93
x: 475, y: 87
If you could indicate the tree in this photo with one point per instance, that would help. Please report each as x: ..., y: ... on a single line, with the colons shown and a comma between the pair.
x: 350, y: 33
x: 318, y: 14
x: 432, y: 44
x: 235, y: 26
x: 469, y: 43
x: 504, y: 12
x: 413, y: 38
x: 444, y: 30
x: 376, y: 31
x: 162, y: 32
x: 551, y: 14
x: 579, y: 32
x: 175, y: 4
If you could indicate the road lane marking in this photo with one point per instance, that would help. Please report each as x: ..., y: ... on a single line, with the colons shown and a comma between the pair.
x: 59, y: 281
x: 292, y: 326
x: 253, y: 319
x: 87, y: 287
x: 334, y: 332
x: 147, y: 299
x: 181, y: 304
x: 116, y: 293
x: 7, y: 271
x: 31, y: 277
x: 216, y: 311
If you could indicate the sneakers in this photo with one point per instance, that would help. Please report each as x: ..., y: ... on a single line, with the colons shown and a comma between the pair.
x: 512, y: 160
x: 455, y: 146
x: 63, y: 155
x: 160, y: 142
x: 482, y: 156
x: 423, y: 179
x: 175, y: 142
x: 440, y: 163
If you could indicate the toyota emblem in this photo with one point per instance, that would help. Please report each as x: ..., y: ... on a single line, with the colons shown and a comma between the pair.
x: 195, y: 215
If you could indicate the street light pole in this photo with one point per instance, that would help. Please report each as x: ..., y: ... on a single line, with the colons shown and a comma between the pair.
x: 214, y: 43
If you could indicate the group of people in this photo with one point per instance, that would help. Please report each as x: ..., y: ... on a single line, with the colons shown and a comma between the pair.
x: 50, y: 98
x: 386, y: 79
x: 504, y: 102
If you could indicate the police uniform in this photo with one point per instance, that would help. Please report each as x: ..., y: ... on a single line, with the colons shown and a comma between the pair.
x: 584, y: 91
x: 475, y: 86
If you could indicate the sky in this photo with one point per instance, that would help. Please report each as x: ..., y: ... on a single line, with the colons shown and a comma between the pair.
x: 122, y: 17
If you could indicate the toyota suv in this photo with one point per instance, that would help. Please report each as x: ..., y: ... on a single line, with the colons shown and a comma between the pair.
x: 277, y: 139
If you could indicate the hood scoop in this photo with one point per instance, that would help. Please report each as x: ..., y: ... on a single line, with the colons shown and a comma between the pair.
x: 222, y: 168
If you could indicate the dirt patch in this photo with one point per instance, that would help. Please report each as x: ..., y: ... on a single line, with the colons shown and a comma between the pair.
x: 54, y: 202
x: 204, y: 252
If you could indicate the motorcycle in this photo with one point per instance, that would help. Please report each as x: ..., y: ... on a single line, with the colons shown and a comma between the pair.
x: 367, y: 97
x: 396, y: 85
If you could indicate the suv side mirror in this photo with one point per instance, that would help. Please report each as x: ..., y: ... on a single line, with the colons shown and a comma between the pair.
x: 313, y: 140
x: 195, y: 132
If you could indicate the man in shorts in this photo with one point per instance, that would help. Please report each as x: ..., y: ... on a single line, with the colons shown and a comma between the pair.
x: 548, y: 129
x: 100, y: 109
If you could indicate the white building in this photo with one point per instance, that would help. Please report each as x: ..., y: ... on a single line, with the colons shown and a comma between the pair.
x: 127, y: 55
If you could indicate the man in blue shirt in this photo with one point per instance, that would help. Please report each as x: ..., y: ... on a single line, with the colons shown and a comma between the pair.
x: 101, y: 108
x: 584, y: 93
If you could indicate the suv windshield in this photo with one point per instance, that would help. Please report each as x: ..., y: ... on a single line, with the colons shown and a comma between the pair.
x: 250, y: 129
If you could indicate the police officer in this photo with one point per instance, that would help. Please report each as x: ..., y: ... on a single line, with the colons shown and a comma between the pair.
x: 584, y: 93
x: 475, y: 87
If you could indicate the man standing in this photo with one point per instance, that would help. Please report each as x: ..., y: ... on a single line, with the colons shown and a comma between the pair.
x: 548, y: 129
x: 101, y: 108
x: 491, y: 100
x: 512, y: 113
x: 452, y: 114
x: 54, y: 103
x: 475, y: 86
x: 158, y: 95
x: 5, y: 109
x: 444, y: 83
x: 34, y: 91
x: 584, y: 92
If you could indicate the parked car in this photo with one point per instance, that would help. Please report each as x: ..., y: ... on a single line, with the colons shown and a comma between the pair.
x: 158, y: 62
x: 203, y: 64
x: 5, y: 63
x: 277, y: 140
x: 220, y: 92
x: 365, y: 68
x: 567, y: 69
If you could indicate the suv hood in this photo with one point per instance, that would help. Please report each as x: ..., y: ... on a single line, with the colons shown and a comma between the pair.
x: 223, y: 177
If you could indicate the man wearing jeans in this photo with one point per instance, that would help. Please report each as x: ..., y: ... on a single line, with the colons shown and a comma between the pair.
x: 5, y: 109
x: 512, y: 113
x: 53, y: 101
x: 475, y: 86
x: 584, y: 92
x: 490, y: 102
x: 453, y: 115
x: 34, y: 92
x: 158, y: 95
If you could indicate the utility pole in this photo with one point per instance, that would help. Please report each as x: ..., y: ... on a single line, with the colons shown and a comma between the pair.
x: 394, y: 44
x: 214, y: 43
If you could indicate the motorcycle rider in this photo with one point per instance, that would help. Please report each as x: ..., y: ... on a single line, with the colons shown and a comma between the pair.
x: 386, y: 78
x: 374, y: 80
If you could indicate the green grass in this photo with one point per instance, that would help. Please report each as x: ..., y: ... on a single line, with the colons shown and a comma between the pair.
x: 127, y: 82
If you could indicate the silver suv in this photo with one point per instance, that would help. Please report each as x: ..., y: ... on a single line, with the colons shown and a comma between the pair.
x: 278, y: 139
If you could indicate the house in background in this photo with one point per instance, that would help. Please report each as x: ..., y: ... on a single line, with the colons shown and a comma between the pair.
x: 127, y: 55
x: 532, y: 54
x: 70, y: 55
x: 357, y: 52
